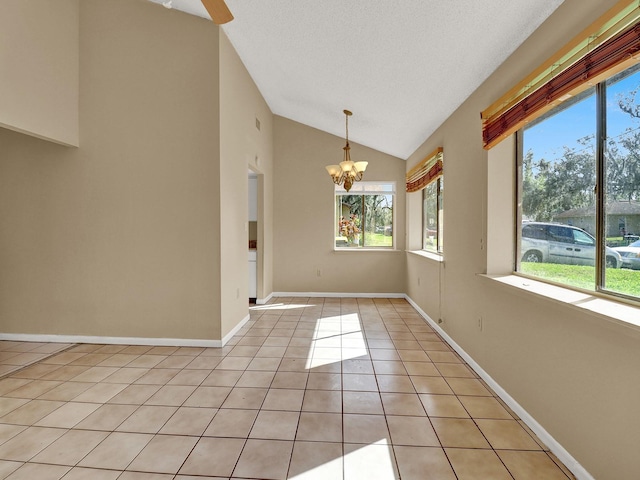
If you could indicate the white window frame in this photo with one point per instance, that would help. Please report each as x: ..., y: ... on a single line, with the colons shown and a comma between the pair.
x: 366, y: 188
x: 599, y: 283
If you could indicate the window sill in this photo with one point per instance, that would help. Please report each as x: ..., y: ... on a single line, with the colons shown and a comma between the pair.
x: 436, y: 257
x: 365, y: 249
x: 604, y: 308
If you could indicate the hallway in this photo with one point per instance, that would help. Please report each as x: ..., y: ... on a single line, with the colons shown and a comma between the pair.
x: 313, y: 388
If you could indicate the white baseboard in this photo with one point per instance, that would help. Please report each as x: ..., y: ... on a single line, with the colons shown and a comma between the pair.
x: 338, y: 295
x: 156, y: 342
x: 234, y: 330
x: 558, y: 450
x: 96, y: 339
x: 262, y: 301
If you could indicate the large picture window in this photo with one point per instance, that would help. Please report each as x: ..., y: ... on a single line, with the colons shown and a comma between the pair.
x: 579, y: 190
x: 364, y: 215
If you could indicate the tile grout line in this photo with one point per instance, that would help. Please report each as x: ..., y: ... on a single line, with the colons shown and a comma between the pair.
x: 34, y: 362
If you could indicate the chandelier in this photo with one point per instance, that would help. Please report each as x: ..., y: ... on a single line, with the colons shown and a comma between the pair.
x: 348, y: 171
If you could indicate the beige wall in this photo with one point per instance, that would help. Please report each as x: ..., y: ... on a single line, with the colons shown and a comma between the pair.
x: 241, y: 143
x: 39, y: 59
x: 120, y: 237
x: 304, y: 216
x: 574, y: 373
x: 141, y: 231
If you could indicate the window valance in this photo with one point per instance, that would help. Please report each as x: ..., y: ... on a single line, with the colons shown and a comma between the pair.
x: 609, y: 45
x: 425, y: 172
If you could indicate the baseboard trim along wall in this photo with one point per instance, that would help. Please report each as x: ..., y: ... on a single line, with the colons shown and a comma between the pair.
x: 95, y: 339
x: 558, y: 450
x: 235, y: 329
x: 337, y: 295
x: 156, y: 342
x: 262, y: 301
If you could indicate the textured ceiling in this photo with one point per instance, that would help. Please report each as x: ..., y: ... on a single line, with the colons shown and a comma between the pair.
x: 401, y: 66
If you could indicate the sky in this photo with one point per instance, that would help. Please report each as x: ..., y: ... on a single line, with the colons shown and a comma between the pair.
x: 547, y: 138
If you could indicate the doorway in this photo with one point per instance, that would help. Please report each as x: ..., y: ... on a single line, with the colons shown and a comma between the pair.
x: 253, y: 236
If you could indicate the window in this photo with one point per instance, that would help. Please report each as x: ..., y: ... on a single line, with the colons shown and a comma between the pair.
x: 579, y: 190
x: 364, y: 215
x: 432, y: 216
x: 427, y: 176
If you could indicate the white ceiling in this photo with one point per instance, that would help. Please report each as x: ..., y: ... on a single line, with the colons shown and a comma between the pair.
x: 401, y: 66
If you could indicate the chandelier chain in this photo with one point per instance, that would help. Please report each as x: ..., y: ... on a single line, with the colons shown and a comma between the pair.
x: 346, y: 119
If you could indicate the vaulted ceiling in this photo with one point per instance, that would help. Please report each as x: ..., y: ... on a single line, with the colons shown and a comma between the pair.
x: 401, y: 66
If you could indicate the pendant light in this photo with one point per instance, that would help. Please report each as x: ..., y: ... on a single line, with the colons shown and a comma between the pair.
x: 348, y: 171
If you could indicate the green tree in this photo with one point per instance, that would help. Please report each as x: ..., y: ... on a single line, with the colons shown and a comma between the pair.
x: 572, y: 179
x: 623, y: 155
x: 552, y: 187
x: 533, y: 188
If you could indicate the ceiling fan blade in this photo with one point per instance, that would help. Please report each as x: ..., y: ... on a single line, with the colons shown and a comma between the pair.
x: 218, y: 11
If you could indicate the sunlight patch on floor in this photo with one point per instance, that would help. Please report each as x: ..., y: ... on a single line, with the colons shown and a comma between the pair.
x: 335, y: 339
x: 373, y: 461
x: 280, y: 306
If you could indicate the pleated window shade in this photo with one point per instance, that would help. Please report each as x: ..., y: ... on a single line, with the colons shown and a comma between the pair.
x: 425, y: 172
x: 609, y: 45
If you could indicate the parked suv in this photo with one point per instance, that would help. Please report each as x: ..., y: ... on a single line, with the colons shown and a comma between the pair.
x: 556, y: 243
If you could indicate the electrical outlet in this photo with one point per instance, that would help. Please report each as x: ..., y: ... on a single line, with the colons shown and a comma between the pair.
x: 480, y: 323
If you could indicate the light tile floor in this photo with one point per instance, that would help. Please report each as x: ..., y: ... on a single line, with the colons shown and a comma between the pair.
x: 308, y: 389
x: 17, y: 355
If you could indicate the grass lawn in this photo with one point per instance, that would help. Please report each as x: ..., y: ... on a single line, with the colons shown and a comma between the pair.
x: 619, y: 280
x: 370, y: 240
x: 377, y: 240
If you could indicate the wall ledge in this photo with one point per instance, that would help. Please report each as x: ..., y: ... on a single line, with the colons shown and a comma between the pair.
x: 602, y: 308
x: 365, y: 249
x: 74, y: 142
x: 436, y: 257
